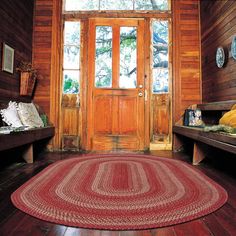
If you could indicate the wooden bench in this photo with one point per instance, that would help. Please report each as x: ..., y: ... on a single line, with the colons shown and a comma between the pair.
x: 24, y: 139
x: 211, y: 113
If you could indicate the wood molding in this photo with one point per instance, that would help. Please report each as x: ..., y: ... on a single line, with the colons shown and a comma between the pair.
x: 55, y: 78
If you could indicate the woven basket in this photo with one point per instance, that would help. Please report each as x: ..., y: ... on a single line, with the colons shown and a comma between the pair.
x: 27, y: 83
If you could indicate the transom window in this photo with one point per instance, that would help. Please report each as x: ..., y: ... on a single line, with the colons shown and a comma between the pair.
x: 130, y: 5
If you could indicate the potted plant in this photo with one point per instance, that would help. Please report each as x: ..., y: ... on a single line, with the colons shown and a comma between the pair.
x: 28, y: 77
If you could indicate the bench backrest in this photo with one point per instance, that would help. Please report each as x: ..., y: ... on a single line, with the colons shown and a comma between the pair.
x: 4, y: 104
x: 212, y: 112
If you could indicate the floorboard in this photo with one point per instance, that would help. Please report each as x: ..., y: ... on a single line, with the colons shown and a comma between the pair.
x: 14, y: 222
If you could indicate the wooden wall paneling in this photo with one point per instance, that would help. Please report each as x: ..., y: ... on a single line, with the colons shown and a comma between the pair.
x: 42, y: 43
x: 16, y: 31
x: 218, y: 30
x: 186, y: 57
x: 46, y: 59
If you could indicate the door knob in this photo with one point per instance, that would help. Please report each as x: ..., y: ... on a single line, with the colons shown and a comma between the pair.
x: 140, y: 86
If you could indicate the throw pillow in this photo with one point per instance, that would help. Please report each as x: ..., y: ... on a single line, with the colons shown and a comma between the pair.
x: 10, y: 115
x: 229, y: 118
x: 29, y: 115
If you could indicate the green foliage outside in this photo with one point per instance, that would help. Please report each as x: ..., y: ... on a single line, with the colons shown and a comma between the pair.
x: 88, y: 5
x: 70, y: 86
x: 128, y: 44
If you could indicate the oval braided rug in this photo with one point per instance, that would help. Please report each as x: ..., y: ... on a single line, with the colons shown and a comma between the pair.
x: 118, y: 192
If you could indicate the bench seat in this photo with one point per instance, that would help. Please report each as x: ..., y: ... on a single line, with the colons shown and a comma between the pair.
x: 211, y: 112
x: 222, y: 140
x: 27, y: 138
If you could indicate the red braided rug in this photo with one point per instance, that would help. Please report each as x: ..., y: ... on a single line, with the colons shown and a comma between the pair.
x: 119, y: 192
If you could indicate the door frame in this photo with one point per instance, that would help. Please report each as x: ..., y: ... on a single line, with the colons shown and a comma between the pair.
x: 147, y: 73
x: 90, y: 84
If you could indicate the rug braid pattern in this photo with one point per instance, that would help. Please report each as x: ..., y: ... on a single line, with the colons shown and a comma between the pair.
x: 119, y: 192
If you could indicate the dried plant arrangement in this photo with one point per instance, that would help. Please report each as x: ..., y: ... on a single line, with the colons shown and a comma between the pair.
x: 26, y: 67
x: 28, y: 77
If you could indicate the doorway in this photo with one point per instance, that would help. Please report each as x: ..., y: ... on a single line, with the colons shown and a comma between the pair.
x: 116, y: 94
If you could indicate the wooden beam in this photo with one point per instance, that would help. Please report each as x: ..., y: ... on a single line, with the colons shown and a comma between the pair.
x: 217, y: 106
x: 198, y: 153
x: 120, y: 14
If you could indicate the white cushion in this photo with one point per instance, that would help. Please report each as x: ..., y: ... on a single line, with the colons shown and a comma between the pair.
x: 29, y: 115
x: 10, y: 115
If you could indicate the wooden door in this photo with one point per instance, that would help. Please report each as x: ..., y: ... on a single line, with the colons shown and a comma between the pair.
x: 116, y: 95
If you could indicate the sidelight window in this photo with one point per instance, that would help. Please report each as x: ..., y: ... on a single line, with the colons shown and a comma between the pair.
x: 160, y: 55
x: 71, y: 62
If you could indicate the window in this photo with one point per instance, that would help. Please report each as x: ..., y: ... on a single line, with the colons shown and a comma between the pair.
x: 160, y: 55
x: 97, y: 5
x: 71, y: 63
x: 103, y: 70
x: 128, y: 57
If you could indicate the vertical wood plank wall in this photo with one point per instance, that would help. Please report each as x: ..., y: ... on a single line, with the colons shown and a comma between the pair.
x: 16, y: 27
x: 46, y: 59
x: 186, y: 58
x: 218, y: 26
x: 42, y: 51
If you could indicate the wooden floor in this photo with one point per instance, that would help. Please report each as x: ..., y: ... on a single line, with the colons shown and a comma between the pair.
x: 13, y: 173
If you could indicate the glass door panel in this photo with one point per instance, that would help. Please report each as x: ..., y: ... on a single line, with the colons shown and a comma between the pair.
x: 103, y: 60
x: 128, y: 57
